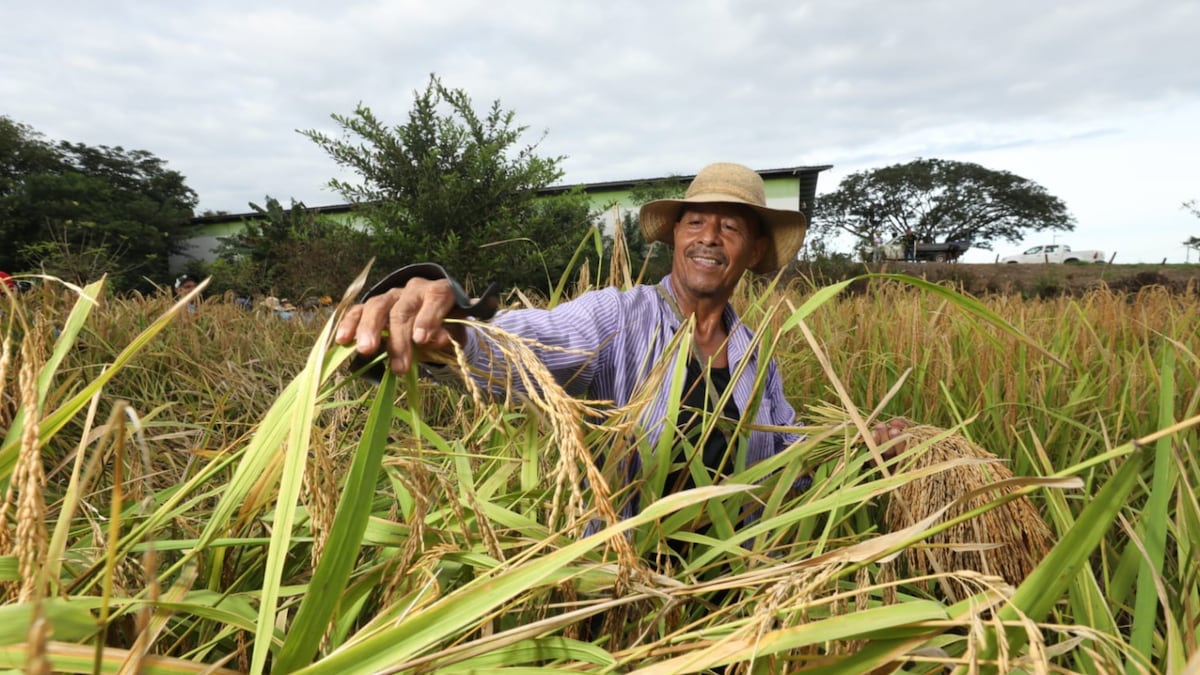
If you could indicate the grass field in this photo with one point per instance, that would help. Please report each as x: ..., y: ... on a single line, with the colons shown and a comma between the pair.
x: 208, y: 491
x: 1048, y: 280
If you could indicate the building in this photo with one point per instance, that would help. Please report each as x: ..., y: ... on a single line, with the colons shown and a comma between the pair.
x: 790, y: 187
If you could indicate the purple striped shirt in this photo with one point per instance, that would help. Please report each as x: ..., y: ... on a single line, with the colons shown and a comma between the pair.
x: 612, y: 339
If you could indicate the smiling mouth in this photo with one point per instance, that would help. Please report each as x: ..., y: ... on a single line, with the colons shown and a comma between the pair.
x: 707, y: 259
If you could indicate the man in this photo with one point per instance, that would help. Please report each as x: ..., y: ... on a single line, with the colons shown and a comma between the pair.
x: 910, y: 245
x: 184, y: 284
x: 603, y: 343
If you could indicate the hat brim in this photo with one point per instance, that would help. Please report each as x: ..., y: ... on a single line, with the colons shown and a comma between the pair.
x: 785, y: 229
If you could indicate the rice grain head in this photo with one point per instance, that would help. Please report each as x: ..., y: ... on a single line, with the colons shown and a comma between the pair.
x: 29, y: 479
x: 320, y: 494
x: 1018, y: 535
x: 563, y: 415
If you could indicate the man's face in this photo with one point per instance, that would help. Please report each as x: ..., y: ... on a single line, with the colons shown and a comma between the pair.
x: 186, y: 287
x: 714, y: 244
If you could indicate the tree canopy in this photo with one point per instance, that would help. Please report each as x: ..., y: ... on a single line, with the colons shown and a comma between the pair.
x: 78, y: 211
x: 939, y: 200
x: 1192, y: 243
x: 296, y: 252
x: 453, y: 187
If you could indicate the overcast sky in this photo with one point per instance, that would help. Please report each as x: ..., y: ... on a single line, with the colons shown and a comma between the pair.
x: 1096, y: 100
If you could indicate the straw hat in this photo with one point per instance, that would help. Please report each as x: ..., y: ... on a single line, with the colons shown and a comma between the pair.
x: 728, y: 183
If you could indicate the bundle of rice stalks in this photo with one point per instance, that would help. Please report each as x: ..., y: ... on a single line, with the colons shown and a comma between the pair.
x: 1007, y: 541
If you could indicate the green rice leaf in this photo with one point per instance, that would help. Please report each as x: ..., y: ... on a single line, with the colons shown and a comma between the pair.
x: 9, y: 568
x: 1045, y: 585
x: 863, y: 624
x: 71, y: 620
x: 299, y: 420
x: 345, y: 538
x: 402, y: 640
x: 62, y: 346
x: 553, y: 648
x: 71, y: 658
x: 1148, y: 605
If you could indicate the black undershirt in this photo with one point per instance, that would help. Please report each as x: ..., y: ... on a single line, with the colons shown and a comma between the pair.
x: 699, y: 398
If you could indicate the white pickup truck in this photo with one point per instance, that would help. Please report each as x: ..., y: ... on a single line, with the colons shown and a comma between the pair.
x: 1055, y: 253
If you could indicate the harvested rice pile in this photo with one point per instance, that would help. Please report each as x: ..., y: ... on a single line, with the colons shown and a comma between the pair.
x: 1020, y: 536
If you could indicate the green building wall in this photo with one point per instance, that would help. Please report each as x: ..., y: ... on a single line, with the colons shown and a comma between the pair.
x: 786, y: 188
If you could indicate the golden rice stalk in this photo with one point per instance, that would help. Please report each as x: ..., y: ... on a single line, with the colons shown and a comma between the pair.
x: 29, y: 478
x: 145, y: 637
x: 583, y: 279
x: 405, y: 577
x: 1007, y: 541
x: 5, y: 361
x: 36, y: 661
x: 618, y: 267
x: 320, y: 492
x: 6, y: 542
x: 6, y: 418
x: 563, y: 415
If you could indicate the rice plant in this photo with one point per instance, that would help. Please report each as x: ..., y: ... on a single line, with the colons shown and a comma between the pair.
x: 208, y: 490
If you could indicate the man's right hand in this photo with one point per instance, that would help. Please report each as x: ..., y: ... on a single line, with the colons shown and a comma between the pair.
x: 414, y: 318
x: 885, y: 432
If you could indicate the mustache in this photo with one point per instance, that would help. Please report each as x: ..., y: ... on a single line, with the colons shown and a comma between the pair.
x: 707, y: 252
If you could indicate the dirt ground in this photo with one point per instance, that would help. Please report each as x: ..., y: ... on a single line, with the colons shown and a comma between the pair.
x: 1047, y: 280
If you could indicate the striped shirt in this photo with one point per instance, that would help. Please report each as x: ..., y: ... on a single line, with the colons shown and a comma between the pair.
x: 603, y: 345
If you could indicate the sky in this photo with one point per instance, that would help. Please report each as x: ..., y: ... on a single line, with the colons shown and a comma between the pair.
x: 1097, y: 101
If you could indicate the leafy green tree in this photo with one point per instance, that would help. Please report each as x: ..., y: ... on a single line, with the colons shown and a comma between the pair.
x: 454, y: 187
x: 24, y: 155
x: 78, y: 211
x: 939, y: 200
x: 293, y: 252
x: 1192, y: 243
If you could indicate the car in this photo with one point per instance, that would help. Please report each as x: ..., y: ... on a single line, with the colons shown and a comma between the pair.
x: 929, y: 251
x: 1055, y: 253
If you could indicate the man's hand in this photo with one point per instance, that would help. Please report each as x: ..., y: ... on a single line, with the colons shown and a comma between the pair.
x: 413, y: 316
x: 885, y: 432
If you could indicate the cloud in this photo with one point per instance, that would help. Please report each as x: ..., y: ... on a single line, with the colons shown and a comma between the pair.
x: 622, y: 89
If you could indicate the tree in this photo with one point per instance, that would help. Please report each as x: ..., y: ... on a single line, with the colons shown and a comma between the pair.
x: 453, y: 187
x: 939, y: 200
x: 1192, y: 243
x: 293, y: 252
x: 79, y: 211
x: 1193, y: 206
x: 24, y: 155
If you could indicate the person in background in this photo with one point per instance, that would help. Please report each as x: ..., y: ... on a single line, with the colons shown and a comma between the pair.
x: 282, y: 309
x: 910, y: 245
x: 184, y: 284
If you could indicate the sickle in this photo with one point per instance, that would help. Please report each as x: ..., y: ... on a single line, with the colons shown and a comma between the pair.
x: 482, y: 308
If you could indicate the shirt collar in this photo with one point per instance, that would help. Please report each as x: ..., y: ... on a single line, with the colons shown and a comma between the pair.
x: 739, y: 334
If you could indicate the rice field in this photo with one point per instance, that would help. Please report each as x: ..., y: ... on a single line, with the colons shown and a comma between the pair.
x: 210, y: 490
